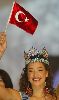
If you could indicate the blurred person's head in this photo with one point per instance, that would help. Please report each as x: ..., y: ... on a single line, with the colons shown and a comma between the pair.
x: 5, y: 79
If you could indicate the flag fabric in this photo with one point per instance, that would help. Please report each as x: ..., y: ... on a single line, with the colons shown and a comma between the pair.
x: 22, y: 18
x: 3, y: 43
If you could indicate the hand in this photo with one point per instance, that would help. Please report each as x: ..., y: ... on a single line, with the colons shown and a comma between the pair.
x: 3, y: 43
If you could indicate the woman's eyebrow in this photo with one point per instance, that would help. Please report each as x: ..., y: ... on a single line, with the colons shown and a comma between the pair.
x: 30, y: 68
x: 40, y: 67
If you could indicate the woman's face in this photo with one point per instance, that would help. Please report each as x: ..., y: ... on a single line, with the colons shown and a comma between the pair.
x: 37, y: 74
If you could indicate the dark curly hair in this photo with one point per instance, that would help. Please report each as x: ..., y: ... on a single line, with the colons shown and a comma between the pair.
x: 6, y: 79
x: 24, y: 81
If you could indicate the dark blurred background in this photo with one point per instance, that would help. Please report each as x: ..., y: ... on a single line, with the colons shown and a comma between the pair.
x: 54, y: 63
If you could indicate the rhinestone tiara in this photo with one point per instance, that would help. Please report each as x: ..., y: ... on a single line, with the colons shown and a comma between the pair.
x: 33, y: 55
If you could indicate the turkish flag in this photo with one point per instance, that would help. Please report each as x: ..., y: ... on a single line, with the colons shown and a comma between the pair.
x: 23, y: 19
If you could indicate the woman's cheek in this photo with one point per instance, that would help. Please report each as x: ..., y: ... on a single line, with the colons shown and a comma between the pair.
x: 30, y: 76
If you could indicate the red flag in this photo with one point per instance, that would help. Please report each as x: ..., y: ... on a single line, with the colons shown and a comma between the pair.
x: 23, y: 19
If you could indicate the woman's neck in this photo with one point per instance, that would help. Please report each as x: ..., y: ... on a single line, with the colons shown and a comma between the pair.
x: 38, y: 91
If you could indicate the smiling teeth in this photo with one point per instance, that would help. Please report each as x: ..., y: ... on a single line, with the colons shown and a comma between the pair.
x: 36, y: 79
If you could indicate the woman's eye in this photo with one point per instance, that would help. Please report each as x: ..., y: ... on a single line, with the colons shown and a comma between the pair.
x: 30, y: 71
x: 40, y: 70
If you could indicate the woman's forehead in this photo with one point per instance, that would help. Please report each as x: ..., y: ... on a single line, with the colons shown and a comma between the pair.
x: 36, y: 65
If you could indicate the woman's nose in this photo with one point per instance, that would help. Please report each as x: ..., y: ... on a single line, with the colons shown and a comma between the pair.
x: 35, y: 73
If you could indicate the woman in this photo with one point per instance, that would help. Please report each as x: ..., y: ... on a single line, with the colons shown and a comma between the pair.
x: 36, y: 80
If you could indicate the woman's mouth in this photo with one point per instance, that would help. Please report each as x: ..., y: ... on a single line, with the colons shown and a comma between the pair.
x: 36, y: 79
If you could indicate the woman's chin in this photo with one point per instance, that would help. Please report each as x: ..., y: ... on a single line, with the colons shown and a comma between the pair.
x: 36, y: 84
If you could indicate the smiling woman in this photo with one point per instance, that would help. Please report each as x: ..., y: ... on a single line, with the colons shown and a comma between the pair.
x: 36, y: 79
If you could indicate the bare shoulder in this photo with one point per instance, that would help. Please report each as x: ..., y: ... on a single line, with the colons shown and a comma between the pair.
x: 15, y: 94
x: 9, y: 94
x: 50, y: 97
x: 58, y: 97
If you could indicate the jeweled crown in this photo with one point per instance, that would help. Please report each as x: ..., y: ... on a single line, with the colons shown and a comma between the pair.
x: 33, y: 55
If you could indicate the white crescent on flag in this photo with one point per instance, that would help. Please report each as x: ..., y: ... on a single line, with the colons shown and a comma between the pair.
x: 17, y: 14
